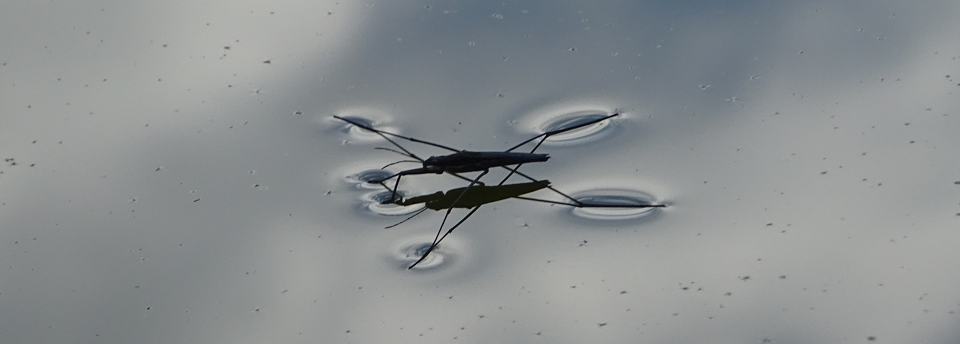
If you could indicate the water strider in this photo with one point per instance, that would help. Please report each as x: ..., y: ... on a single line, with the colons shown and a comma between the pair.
x: 476, y: 193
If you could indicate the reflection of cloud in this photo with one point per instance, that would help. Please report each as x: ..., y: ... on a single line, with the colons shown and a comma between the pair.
x: 111, y: 93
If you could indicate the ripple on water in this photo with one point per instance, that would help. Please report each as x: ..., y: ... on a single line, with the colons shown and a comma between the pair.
x: 614, y: 197
x: 360, y: 134
x: 410, y: 253
x: 557, y: 121
x: 364, y: 179
x: 379, y: 203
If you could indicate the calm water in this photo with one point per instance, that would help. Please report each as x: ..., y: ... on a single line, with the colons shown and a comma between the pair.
x: 177, y: 176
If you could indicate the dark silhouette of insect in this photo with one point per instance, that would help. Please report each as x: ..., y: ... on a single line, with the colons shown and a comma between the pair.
x: 462, y: 161
x: 469, y: 161
x: 474, y: 196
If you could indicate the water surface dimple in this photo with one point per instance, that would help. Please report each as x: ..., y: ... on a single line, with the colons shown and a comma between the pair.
x: 379, y: 203
x: 365, y: 121
x: 365, y: 179
x: 561, y: 121
x: 361, y: 134
x: 614, y: 197
x: 411, y: 253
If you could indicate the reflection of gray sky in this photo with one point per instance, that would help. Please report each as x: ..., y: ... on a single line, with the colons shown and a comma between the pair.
x: 187, y: 201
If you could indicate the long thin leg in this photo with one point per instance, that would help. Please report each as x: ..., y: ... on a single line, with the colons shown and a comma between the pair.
x: 383, y: 133
x: 401, y: 173
x: 558, y: 131
x: 454, y: 204
x: 397, y: 162
x: 544, y: 138
x: 588, y: 205
x: 432, y: 247
x: 396, y: 151
x: 407, y: 219
x: 437, y: 239
x: 514, y: 170
x: 576, y: 203
x: 393, y: 194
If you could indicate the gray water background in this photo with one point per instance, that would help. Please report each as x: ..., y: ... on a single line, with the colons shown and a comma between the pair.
x: 173, y: 173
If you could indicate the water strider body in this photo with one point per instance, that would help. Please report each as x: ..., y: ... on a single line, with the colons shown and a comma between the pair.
x: 467, y: 161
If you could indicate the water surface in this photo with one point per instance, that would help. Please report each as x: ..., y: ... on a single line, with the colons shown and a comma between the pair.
x: 188, y: 183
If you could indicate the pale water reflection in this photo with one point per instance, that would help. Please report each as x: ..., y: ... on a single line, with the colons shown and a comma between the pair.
x: 566, y: 118
x: 614, y: 197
